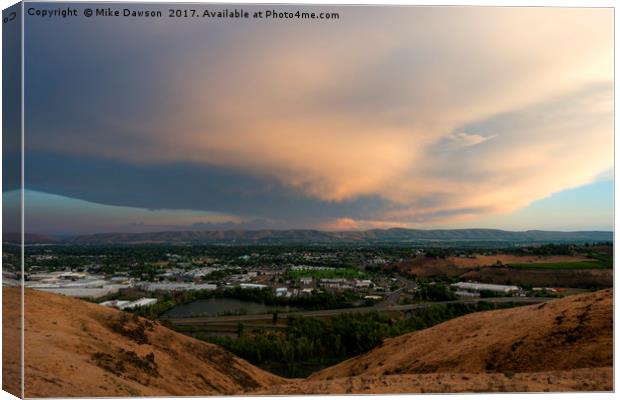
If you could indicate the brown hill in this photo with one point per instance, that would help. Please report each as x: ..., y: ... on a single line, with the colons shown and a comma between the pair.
x: 74, y: 348
x: 572, y: 333
x: 11, y: 340
x: 393, y: 235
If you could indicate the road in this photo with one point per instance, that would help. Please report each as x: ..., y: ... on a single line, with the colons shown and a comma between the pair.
x: 326, y: 313
x: 391, y: 299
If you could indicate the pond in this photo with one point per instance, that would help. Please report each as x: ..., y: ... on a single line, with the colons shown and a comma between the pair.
x: 221, y: 306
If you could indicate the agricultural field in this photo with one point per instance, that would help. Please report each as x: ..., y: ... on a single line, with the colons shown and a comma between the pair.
x: 422, y: 266
x: 562, y: 265
x: 556, y: 266
x: 512, y: 259
x: 597, y: 261
x: 573, y: 278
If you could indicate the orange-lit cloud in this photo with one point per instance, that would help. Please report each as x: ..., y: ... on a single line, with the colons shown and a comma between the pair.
x: 447, y: 113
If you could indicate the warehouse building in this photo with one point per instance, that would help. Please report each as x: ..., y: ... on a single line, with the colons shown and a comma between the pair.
x: 475, y: 287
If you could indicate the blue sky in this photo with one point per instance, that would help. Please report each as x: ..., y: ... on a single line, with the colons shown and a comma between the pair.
x: 417, y: 117
x: 589, y: 207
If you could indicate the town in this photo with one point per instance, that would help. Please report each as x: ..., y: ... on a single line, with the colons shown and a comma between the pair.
x: 130, y: 277
x: 260, y: 301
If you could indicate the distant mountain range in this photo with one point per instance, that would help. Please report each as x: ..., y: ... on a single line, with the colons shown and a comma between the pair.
x: 308, y: 236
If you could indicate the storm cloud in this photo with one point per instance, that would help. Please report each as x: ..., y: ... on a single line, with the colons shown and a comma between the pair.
x: 390, y: 116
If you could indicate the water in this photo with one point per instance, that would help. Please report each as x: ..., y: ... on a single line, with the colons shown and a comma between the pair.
x: 221, y: 306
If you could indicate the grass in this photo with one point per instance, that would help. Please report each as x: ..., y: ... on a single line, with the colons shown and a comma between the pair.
x: 594, y: 264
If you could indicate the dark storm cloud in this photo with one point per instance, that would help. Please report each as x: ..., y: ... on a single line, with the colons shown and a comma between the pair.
x: 182, y: 186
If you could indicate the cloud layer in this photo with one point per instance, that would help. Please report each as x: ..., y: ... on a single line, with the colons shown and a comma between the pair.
x: 394, y: 116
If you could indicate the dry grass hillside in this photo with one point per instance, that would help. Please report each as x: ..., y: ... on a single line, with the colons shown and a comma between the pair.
x: 74, y: 348
x: 588, y: 379
x: 11, y: 341
x: 572, y: 333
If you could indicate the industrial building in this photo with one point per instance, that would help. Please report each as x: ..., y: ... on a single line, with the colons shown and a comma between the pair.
x: 174, y: 286
x: 475, y: 287
x: 128, y: 305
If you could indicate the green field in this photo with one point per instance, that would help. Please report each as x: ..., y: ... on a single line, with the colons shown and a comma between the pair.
x: 601, y: 263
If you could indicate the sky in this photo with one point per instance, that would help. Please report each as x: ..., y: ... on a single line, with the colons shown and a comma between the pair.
x: 422, y: 117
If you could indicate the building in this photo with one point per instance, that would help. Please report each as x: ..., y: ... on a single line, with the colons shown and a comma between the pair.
x: 306, y: 280
x: 115, y: 303
x: 476, y: 287
x: 127, y: 305
x: 252, y: 286
x: 120, y: 279
x: 73, y: 284
x: 364, y: 283
x: 333, y: 280
x: 142, y: 302
x: 462, y: 293
x: 59, y: 276
x: 175, y: 286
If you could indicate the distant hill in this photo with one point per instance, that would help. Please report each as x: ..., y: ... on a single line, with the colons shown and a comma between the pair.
x: 29, y: 238
x: 372, y: 236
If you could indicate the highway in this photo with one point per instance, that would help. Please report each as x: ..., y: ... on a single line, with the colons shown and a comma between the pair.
x: 192, y: 321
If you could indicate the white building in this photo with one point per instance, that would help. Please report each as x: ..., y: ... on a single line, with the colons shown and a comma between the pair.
x: 127, y: 305
x: 73, y: 284
x: 252, y: 286
x: 175, y: 286
x: 84, y: 293
x: 59, y: 276
x: 142, y: 302
x: 115, y: 303
x: 333, y: 280
x: 462, y: 293
x: 364, y: 283
x: 477, y: 287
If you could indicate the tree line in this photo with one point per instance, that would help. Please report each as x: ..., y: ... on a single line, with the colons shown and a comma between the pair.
x: 326, y: 341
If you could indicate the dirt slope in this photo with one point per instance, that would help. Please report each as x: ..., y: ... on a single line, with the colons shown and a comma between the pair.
x: 572, y: 333
x: 74, y: 348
